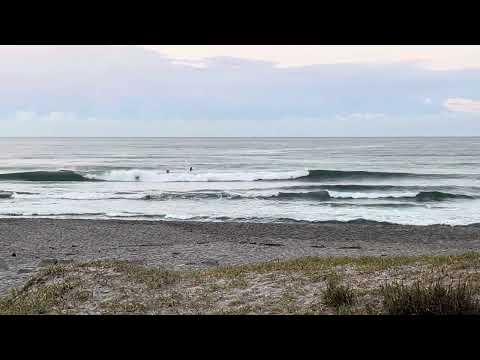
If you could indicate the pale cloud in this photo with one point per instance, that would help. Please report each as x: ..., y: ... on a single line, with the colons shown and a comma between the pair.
x: 463, y: 105
x: 427, y: 101
x: 360, y: 116
x: 440, y: 57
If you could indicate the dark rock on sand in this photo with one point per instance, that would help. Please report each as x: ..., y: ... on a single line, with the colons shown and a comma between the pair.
x: 210, y: 262
x: 50, y: 262
x: 262, y: 244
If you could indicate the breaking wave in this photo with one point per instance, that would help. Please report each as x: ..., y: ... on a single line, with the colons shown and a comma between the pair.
x: 191, y: 196
x: 313, y: 195
x: 301, y: 175
x: 321, y: 195
x: 131, y: 175
x: 174, y: 218
x: 422, y: 196
x: 156, y: 176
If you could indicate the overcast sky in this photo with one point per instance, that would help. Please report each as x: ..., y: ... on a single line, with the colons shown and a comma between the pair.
x: 202, y: 90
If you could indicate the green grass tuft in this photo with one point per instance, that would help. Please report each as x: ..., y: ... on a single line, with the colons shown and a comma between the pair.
x: 433, y: 299
x: 338, y: 296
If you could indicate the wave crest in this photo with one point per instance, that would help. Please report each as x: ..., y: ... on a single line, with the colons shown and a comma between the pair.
x: 316, y: 175
x: 439, y: 196
x: 6, y: 194
x: 313, y: 195
x: 157, y: 176
x: 320, y: 195
x: 54, y: 176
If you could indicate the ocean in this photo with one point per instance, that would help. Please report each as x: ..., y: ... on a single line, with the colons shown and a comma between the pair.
x: 418, y: 181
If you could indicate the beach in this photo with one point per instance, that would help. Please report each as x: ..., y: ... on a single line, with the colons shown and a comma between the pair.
x: 239, y: 180
x: 29, y: 245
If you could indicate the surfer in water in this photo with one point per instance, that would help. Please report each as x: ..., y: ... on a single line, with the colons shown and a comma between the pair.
x: 191, y: 169
x: 137, y: 177
x: 168, y: 171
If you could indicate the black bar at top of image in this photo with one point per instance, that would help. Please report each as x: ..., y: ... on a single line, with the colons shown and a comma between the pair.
x: 325, y: 23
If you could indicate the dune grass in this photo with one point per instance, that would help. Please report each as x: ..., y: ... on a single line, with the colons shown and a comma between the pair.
x: 366, y: 263
x: 338, y: 296
x: 363, y: 285
x: 436, y: 298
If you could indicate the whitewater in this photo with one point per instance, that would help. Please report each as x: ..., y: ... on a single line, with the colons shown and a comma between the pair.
x: 418, y: 181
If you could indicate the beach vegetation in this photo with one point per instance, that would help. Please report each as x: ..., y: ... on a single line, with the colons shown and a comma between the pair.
x: 48, y: 298
x: 435, y: 298
x: 338, y: 296
x: 400, y: 285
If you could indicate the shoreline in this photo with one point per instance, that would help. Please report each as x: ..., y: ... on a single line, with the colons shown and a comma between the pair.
x: 146, y: 219
x: 185, y: 245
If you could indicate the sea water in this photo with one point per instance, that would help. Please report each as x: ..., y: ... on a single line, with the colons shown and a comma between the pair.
x: 399, y: 180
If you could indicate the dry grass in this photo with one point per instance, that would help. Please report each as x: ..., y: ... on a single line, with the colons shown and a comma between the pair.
x: 44, y: 299
x: 299, y: 286
x: 151, y: 277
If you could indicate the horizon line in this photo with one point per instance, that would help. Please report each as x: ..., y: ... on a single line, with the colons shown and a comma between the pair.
x: 237, y: 137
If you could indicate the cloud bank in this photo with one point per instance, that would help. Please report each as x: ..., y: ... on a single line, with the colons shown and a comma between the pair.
x: 133, y: 91
x: 441, y: 57
x: 463, y: 105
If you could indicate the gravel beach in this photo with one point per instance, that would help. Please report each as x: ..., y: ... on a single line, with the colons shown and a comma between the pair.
x: 30, y: 244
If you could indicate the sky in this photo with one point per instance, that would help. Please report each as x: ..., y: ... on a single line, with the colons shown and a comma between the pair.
x: 231, y: 90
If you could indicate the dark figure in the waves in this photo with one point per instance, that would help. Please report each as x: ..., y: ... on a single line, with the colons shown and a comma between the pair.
x: 191, y: 169
x: 137, y: 177
x: 168, y: 171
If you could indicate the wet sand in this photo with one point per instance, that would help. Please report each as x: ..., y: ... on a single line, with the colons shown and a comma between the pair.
x: 28, y: 244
